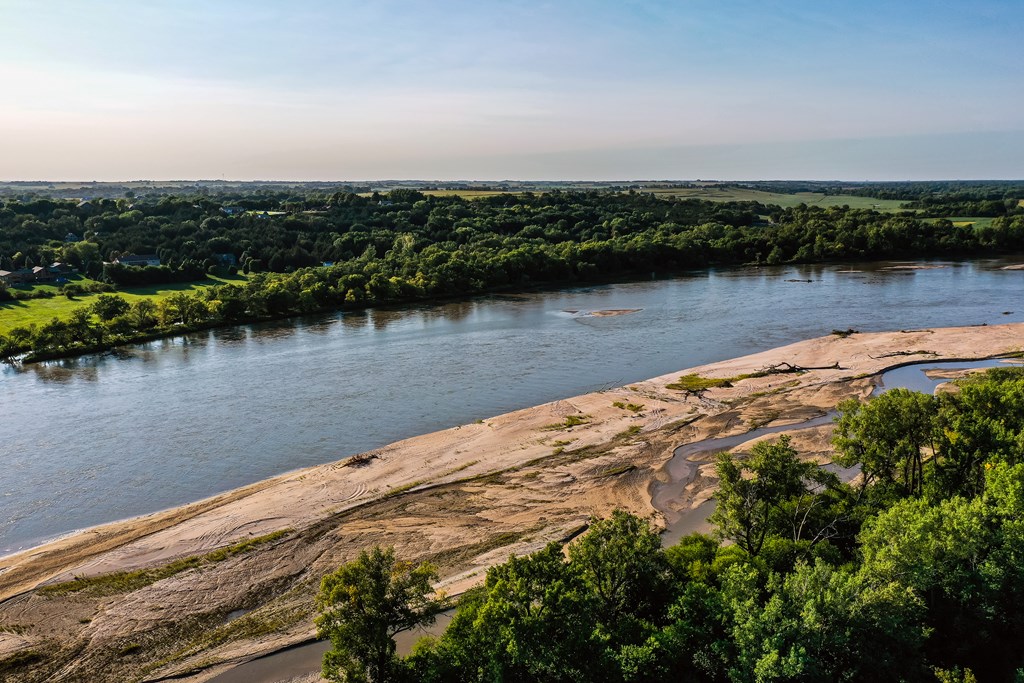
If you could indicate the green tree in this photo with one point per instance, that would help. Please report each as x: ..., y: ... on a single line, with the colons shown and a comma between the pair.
x: 825, y: 624
x: 143, y: 314
x: 621, y: 561
x: 887, y: 436
x: 364, y: 604
x: 535, y: 622
x: 979, y: 425
x: 965, y: 559
x: 109, y: 306
x: 772, y: 493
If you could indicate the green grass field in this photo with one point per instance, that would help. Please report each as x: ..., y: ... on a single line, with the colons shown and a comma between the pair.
x: 39, y: 311
x: 718, y: 193
x: 467, y: 194
x: 976, y: 221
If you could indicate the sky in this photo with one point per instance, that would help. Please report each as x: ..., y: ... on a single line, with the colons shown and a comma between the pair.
x: 448, y: 90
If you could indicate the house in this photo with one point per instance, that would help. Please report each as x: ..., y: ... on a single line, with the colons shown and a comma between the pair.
x: 138, y: 260
x: 42, y: 274
x: 228, y: 259
x: 71, y: 237
x: 62, y: 271
x: 17, y: 277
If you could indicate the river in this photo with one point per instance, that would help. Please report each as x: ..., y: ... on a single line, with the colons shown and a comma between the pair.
x: 99, y: 438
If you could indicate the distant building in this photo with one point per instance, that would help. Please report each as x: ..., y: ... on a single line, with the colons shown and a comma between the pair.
x: 228, y: 259
x: 138, y: 260
x: 231, y: 210
x: 61, y: 271
x: 71, y: 237
x: 42, y: 274
x: 17, y: 277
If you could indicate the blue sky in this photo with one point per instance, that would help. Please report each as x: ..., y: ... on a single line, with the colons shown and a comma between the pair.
x: 448, y: 90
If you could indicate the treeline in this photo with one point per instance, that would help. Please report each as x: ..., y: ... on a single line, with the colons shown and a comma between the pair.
x: 938, y: 191
x: 282, y: 232
x: 914, y: 572
x: 382, y: 267
x: 406, y: 246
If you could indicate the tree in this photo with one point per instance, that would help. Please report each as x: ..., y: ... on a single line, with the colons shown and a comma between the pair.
x: 143, y: 314
x: 109, y: 306
x: 963, y: 557
x: 772, y: 493
x: 364, y: 604
x: 534, y: 620
x: 980, y: 425
x: 886, y: 436
x: 820, y: 623
x: 621, y: 561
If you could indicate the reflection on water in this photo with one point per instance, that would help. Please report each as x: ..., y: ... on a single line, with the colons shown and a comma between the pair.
x: 103, y: 437
x: 65, y: 370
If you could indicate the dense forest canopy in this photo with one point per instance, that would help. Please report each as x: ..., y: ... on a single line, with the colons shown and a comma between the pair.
x: 285, y: 230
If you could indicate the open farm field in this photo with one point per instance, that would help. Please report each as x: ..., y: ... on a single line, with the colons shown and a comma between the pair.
x: 39, y: 311
x: 468, y: 194
x: 976, y: 221
x: 719, y: 193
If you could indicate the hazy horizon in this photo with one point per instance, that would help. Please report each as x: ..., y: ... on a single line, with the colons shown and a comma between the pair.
x: 529, y: 90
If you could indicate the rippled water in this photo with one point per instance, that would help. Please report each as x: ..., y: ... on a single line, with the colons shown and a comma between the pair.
x: 100, y: 438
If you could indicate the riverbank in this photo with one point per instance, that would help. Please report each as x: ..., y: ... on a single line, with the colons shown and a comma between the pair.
x: 464, y: 498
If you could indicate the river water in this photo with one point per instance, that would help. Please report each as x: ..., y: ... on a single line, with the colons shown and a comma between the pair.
x: 99, y: 438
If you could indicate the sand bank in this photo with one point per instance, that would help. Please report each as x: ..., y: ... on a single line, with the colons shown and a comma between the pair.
x: 464, y: 498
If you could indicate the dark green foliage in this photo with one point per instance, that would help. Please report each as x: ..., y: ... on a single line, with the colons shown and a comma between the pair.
x: 622, y: 565
x: 908, y: 577
x: 363, y: 605
x: 887, y: 436
x: 775, y: 495
x: 109, y: 306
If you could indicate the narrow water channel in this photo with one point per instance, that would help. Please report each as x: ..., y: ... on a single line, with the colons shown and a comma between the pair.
x: 682, y: 467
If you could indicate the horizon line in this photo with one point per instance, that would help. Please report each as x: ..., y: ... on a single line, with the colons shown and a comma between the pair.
x: 513, y: 180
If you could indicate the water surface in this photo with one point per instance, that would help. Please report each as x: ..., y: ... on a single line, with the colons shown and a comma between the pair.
x: 99, y: 438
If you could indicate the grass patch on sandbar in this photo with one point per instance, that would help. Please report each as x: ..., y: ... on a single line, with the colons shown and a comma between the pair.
x: 569, y: 422
x: 125, y: 582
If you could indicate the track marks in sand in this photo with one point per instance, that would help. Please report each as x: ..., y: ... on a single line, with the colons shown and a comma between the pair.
x: 358, y: 491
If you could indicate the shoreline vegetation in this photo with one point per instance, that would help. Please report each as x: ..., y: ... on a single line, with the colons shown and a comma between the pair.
x: 319, y: 252
x: 463, y: 499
